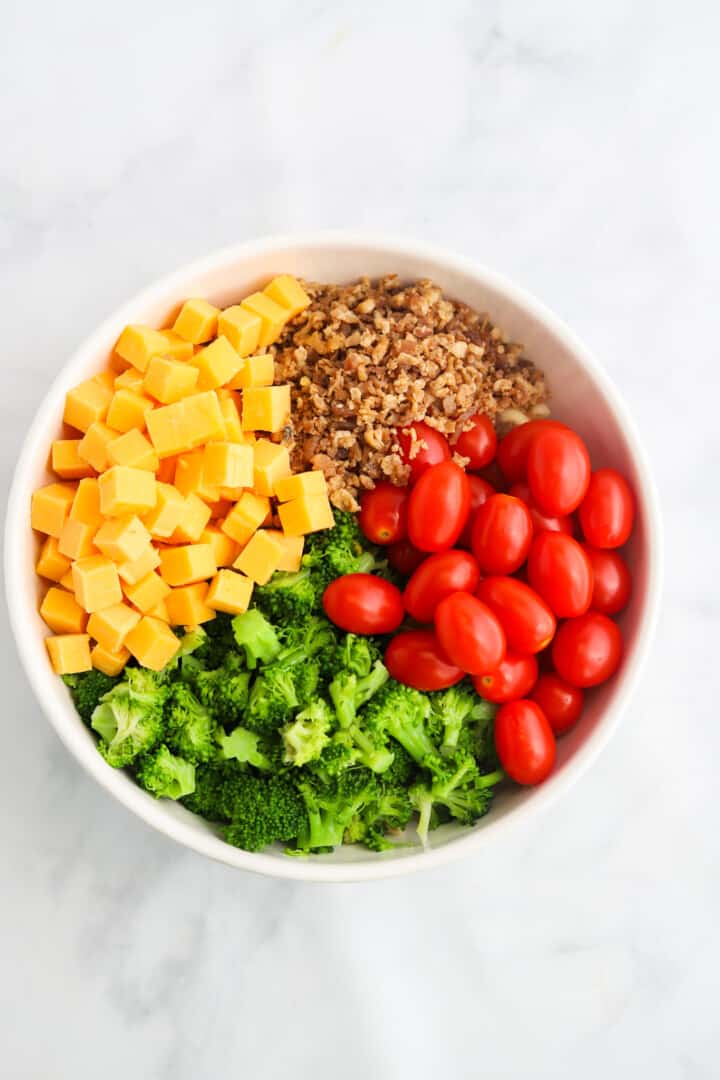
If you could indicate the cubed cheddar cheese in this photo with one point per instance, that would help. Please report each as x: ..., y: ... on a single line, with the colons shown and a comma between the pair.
x: 246, y: 516
x: 186, y: 424
x: 177, y: 347
x: 225, y: 550
x: 148, y: 593
x: 133, y: 449
x: 169, y: 380
x: 131, y: 379
x: 50, y: 506
x: 69, y: 653
x: 187, y: 564
x: 109, y: 663
x: 197, y: 321
x: 53, y: 565
x: 255, y: 371
x: 190, y: 477
x: 307, y: 514
x: 241, y: 327
x: 62, y: 613
x: 265, y: 408
x: 86, y: 504
x: 94, y: 444
x: 87, y: 403
x: 217, y: 363
x: 260, y: 557
x: 128, y: 409
x: 167, y: 513
x: 287, y: 291
x: 123, y: 538
x: 107, y: 378
x: 186, y: 605
x: 160, y: 611
x: 271, y: 463
x: 204, y: 419
x: 292, y: 551
x: 166, y: 470
x: 124, y: 490
x: 112, y: 625
x: 195, y: 517
x: 77, y: 539
x: 96, y: 583
x: 231, y: 419
x: 138, y: 344
x: 273, y: 316
x: 134, y: 570
x: 228, y: 465
x: 65, y: 460
x: 229, y: 592
x: 67, y: 581
x: 152, y: 643
x: 305, y: 483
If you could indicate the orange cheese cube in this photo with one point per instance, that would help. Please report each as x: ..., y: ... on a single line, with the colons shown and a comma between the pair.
x: 133, y: 449
x: 177, y: 348
x: 305, y: 483
x: 197, y: 321
x: 241, y: 327
x: 292, y: 546
x: 52, y: 564
x: 132, y: 379
x: 77, y: 539
x: 109, y: 663
x: 190, y: 477
x: 124, y: 490
x: 134, y: 570
x: 221, y: 508
x: 152, y: 643
x: 217, y: 363
x: 270, y: 464
x: 160, y: 611
x: 94, y: 445
x: 203, y: 417
x: 287, y: 291
x: 107, y: 378
x: 62, y: 613
x: 186, y: 424
x: 246, y: 516
x: 228, y: 464
x: 138, y: 344
x: 123, y: 538
x: 87, y: 403
x: 255, y: 371
x: 272, y: 315
x: 228, y: 495
x: 225, y: 550
x: 307, y: 514
x: 265, y: 408
x: 260, y: 557
x: 231, y: 419
x: 186, y: 606
x: 50, y: 506
x: 112, y: 625
x: 229, y: 592
x: 167, y: 513
x: 169, y: 380
x: 128, y: 410
x: 195, y: 517
x: 69, y: 653
x: 67, y: 581
x: 166, y: 470
x: 187, y: 564
x: 96, y: 583
x: 148, y: 593
x: 66, y: 461
x: 86, y: 504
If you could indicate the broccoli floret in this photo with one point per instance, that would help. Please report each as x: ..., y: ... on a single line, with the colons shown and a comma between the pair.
x: 306, y: 737
x: 456, y: 785
x: 256, y: 636
x: 190, y: 727
x: 216, y: 788
x: 458, y: 709
x: 341, y: 550
x: 273, y: 698
x: 129, y: 719
x: 288, y: 598
x: 336, y: 756
x: 244, y: 746
x: 165, y: 775
x: 219, y: 642
x: 304, y: 640
x: 349, y: 692
x: 403, y: 713
x: 357, y: 654
x: 223, y: 690
x: 403, y: 768
x: 265, y: 811
x: 87, y: 689
x: 332, y: 806
x: 390, y: 811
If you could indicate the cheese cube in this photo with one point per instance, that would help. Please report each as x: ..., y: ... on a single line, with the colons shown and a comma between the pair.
x: 307, y: 514
x: 287, y: 291
x: 132, y: 379
x: 50, y: 507
x: 133, y: 449
x: 94, y: 445
x: 109, y: 663
x: 126, y: 491
x: 265, y: 408
x: 169, y: 380
x: 186, y: 424
x: 270, y: 464
x: 228, y: 496
x: 195, y: 517
x: 273, y: 316
x: 167, y: 513
x: 259, y: 559
x: 221, y: 508
x: 217, y: 363
x: 152, y: 643
x: 138, y: 344
x: 292, y: 546
x: 67, y: 581
x: 53, y: 565
x: 66, y: 460
x: 186, y: 606
x: 229, y: 592
x: 128, y: 410
x: 134, y: 570
x: 123, y: 538
x: 255, y: 371
x: 246, y: 516
x: 96, y: 583
x: 241, y: 327
x: 148, y: 593
x: 177, y: 348
x: 225, y: 550
x: 187, y: 564
x: 107, y: 378
x: 76, y: 539
x: 231, y: 419
x: 69, y: 653
x: 197, y: 321
x: 160, y: 611
x: 190, y: 477
x: 305, y: 483
x: 227, y: 464
x: 166, y: 470
x: 112, y: 625
x: 86, y: 504
x: 87, y: 403
x: 204, y: 419
x: 62, y: 613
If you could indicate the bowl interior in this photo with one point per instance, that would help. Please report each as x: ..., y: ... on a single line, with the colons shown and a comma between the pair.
x: 581, y: 395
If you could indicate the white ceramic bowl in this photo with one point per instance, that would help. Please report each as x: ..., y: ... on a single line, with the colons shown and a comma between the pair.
x: 582, y: 394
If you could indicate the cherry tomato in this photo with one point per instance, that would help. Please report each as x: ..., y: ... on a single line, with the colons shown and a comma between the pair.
x: 383, y: 513
x: 416, y: 659
x: 405, y: 558
x: 561, y: 572
x: 607, y: 512
x: 528, y: 622
x: 435, y: 450
x: 438, y: 507
x: 561, y: 702
x: 364, y: 604
x: 479, y: 443
x: 541, y: 521
x: 587, y: 650
x: 469, y: 633
x: 440, y: 575
x: 524, y: 742
x: 513, y: 448
x: 612, y: 583
x: 513, y: 679
x: 501, y: 534
x: 480, y: 492
x: 558, y: 470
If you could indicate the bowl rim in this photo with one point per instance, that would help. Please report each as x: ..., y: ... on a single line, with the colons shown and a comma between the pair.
x: 152, y: 812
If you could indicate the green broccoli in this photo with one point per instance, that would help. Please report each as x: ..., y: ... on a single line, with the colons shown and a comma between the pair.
x: 457, y: 786
x: 223, y: 690
x: 87, y: 689
x: 332, y: 806
x: 190, y: 728
x: 256, y: 636
x: 219, y: 642
x: 342, y: 550
x: 403, y: 769
x: 165, y: 775
x: 403, y: 713
x: 357, y: 654
x: 305, y: 738
x: 288, y: 598
x: 265, y: 811
x: 244, y: 746
x: 390, y: 811
x: 459, y: 709
x: 273, y: 698
x: 349, y: 692
x: 129, y: 718
x: 216, y: 786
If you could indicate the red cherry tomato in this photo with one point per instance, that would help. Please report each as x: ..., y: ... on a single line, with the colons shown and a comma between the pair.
x: 383, y: 513
x: 435, y: 450
x: 469, y: 633
x: 612, y: 583
x: 558, y: 470
x: 528, y: 622
x: 587, y: 650
x: 541, y: 521
x: 438, y: 507
x: 561, y: 572
x: 364, y: 604
x: 561, y: 702
x: 607, y: 512
x: 513, y: 679
x: 479, y: 443
x: 440, y: 575
x: 480, y: 492
x: 501, y: 534
x: 513, y: 448
x: 405, y: 558
x: 416, y: 659
x: 524, y: 742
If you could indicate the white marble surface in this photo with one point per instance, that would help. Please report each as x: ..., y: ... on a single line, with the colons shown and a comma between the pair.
x: 575, y: 148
